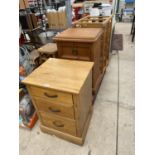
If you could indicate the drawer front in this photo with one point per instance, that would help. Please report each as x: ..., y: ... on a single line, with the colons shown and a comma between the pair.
x: 55, y: 108
x: 58, y: 123
x: 52, y: 95
x: 69, y: 52
x: 75, y: 51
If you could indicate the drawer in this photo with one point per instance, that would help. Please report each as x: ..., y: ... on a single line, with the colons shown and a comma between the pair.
x: 69, y: 52
x: 78, y: 51
x: 52, y: 95
x: 58, y: 123
x: 55, y: 108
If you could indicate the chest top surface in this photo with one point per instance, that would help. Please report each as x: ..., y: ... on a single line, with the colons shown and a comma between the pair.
x: 59, y: 74
x: 79, y: 34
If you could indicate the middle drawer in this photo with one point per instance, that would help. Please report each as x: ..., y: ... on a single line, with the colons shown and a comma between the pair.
x: 55, y: 108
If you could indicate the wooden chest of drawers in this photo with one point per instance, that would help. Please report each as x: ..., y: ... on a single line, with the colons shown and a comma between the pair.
x: 61, y: 91
x: 83, y: 44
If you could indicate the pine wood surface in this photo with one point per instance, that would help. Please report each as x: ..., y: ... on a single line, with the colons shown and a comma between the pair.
x: 59, y: 74
x: 84, y: 35
x: 61, y: 91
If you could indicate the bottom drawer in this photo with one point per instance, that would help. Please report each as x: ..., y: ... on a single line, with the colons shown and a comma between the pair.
x: 58, y: 123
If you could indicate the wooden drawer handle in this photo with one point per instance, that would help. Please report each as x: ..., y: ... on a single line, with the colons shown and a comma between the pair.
x: 54, y: 110
x: 58, y: 124
x: 50, y: 96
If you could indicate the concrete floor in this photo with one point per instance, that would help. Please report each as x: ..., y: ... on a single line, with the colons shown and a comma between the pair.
x: 101, y: 135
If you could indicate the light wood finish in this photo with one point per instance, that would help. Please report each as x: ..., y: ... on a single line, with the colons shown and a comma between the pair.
x: 52, y: 95
x: 23, y: 4
x: 57, y: 20
x: 80, y: 107
x: 62, y: 75
x: 99, y: 22
x: 82, y: 44
x: 82, y: 35
x: 71, y: 138
x: 47, y: 51
x: 61, y: 91
x: 50, y: 48
x: 53, y: 20
x: 58, y: 123
x: 55, y: 108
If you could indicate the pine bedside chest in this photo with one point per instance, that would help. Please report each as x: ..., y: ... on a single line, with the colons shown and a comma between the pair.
x: 61, y: 91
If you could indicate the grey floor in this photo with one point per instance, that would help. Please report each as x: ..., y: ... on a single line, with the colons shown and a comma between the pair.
x: 101, y: 135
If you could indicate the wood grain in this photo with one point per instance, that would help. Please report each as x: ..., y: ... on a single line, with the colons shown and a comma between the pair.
x: 82, y: 50
x: 71, y: 138
x: 63, y: 111
x: 62, y: 75
x: 49, y: 48
x: 83, y: 103
x: 99, y: 22
x: 60, y: 109
x: 78, y: 34
x: 48, y: 93
x: 59, y: 123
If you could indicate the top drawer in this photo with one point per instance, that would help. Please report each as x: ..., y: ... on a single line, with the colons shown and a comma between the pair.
x: 51, y: 95
x: 76, y: 51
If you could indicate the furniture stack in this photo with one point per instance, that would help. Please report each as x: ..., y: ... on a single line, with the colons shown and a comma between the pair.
x: 83, y: 44
x: 63, y: 89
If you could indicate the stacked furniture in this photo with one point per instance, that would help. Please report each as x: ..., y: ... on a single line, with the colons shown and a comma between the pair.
x: 99, y: 22
x: 83, y: 44
x: 61, y: 92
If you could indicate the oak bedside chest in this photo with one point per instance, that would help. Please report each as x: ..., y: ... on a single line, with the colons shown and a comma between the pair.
x: 83, y: 44
x: 61, y: 91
